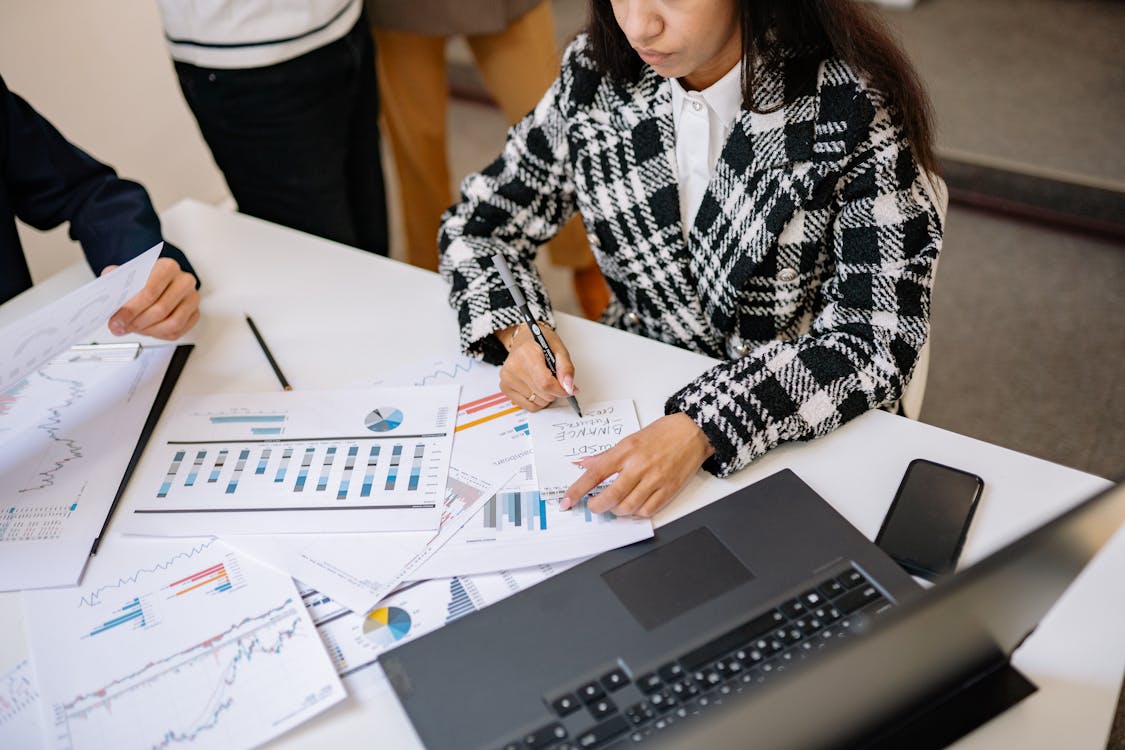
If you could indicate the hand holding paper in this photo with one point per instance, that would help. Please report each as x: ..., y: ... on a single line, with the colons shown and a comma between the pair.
x: 166, y: 307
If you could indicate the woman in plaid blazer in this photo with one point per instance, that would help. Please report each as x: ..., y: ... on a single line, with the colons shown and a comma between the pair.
x: 807, y: 265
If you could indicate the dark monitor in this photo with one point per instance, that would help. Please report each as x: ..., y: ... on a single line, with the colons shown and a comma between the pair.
x: 904, y: 683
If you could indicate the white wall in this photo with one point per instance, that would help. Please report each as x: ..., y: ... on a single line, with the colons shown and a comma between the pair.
x: 99, y: 71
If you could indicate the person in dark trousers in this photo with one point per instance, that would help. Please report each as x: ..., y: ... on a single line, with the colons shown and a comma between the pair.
x: 285, y: 96
x: 45, y: 180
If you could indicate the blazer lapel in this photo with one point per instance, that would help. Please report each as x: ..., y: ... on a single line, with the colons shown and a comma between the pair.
x: 759, y: 182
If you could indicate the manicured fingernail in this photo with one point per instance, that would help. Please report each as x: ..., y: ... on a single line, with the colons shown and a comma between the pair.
x: 565, y: 503
x: 116, y: 327
x: 568, y: 384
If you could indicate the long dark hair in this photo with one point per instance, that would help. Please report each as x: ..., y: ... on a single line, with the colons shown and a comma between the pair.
x: 807, y: 32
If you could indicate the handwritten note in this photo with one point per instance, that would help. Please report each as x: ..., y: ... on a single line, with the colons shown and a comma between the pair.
x: 560, y: 438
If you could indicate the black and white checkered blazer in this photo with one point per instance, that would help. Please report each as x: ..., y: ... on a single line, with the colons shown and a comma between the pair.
x: 808, y: 268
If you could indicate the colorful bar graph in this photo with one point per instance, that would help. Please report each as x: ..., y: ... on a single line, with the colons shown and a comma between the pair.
x: 171, y: 475
x: 392, y: 473
x: 489, y: 418
x: 416, y: 469
x: 526, y: 509
x: 195, y: 467
x: 238, y: 467
x: 288, y: 454
x: 219, y: 461
x: 459, y: 602
x: 349, y: 465
x: 131, y: 612
x: 484, y: 403
x: 329, y: 458
x: 203, y: 579
x: 369, y: 475
x: 303, y: 474
x: 262, y: 461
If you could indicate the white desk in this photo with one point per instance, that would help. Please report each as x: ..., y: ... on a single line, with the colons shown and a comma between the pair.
x: 334, y: 316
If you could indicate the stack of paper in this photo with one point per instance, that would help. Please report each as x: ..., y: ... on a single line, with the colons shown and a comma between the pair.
x: 399, y: 507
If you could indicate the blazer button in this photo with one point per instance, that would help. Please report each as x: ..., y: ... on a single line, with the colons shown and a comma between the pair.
x: 632, y: 318
x: 737, y: 348
x: 787, y: 274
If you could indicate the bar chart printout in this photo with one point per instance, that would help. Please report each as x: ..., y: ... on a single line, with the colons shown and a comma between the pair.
x: 175, y: 642
x: 519, y: 528
x: 371, y: 459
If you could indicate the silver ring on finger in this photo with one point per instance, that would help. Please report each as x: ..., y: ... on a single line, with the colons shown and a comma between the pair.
x: 531, y: 397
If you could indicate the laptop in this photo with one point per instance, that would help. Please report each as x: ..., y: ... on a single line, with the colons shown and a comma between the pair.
x: 764, y: 619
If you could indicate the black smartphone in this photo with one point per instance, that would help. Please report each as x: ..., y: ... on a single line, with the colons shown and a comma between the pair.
x: 926, y: 526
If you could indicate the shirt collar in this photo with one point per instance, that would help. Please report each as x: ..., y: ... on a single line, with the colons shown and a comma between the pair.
x: 724, y: 96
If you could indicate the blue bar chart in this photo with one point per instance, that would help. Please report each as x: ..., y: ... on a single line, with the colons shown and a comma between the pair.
x: 319, y: 469
x: 130, y: 615
x: 239, y: 463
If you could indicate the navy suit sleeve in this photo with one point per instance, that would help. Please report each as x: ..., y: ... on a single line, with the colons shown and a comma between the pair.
x: 49, y: 180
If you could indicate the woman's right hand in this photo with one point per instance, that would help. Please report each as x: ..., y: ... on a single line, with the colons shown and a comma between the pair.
x: 525, y: 378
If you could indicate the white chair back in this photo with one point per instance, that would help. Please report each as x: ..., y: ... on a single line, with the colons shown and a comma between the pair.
x: 915, y: 391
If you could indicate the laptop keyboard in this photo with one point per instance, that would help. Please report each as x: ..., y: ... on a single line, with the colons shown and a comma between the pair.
x: 626, y: 709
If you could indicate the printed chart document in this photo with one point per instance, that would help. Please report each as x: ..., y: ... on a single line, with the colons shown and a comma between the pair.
x: 174, y: 642
x: 359, y: 570
x: 372, y: 459
x: 67, y: 433
x: 30, y: 341
x: 490, y: 443
x: 19, y: 708
x: 355, y: 642
x: 518, y: 527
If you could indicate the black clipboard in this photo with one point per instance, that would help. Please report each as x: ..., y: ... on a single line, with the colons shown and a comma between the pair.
x: 171, y: 375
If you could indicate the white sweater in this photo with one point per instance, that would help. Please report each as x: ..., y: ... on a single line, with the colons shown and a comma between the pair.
x: 253, y: 33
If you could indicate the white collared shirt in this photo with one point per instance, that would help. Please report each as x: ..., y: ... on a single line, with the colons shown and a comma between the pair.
x: 702, y: 120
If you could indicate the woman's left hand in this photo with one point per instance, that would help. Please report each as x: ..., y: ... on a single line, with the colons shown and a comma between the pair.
x: 651, y: 466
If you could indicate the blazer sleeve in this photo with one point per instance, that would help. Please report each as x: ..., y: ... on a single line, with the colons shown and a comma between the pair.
x: 513, y: 206
x: 861, y: 350
x: 50, y: 181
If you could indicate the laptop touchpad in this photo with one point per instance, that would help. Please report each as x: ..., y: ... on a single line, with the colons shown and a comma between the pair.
x: 676, y: 577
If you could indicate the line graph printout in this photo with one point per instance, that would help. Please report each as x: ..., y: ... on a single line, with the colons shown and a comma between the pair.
x: 19, y: 708
x: 60, y: 465
x: 28, y: 342
x: 371, y: 459
x: 168, y: 643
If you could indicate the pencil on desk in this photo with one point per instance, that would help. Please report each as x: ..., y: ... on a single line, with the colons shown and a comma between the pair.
x: 265, y: 349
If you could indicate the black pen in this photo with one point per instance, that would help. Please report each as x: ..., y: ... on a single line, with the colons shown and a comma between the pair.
x: 273, y: 363
x: 536, y: 331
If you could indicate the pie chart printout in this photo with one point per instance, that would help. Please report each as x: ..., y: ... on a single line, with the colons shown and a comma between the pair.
x: 387, y: 625
x: 383, y: 419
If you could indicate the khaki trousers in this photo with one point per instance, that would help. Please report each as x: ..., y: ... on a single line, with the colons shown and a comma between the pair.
x: 517, y: 64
